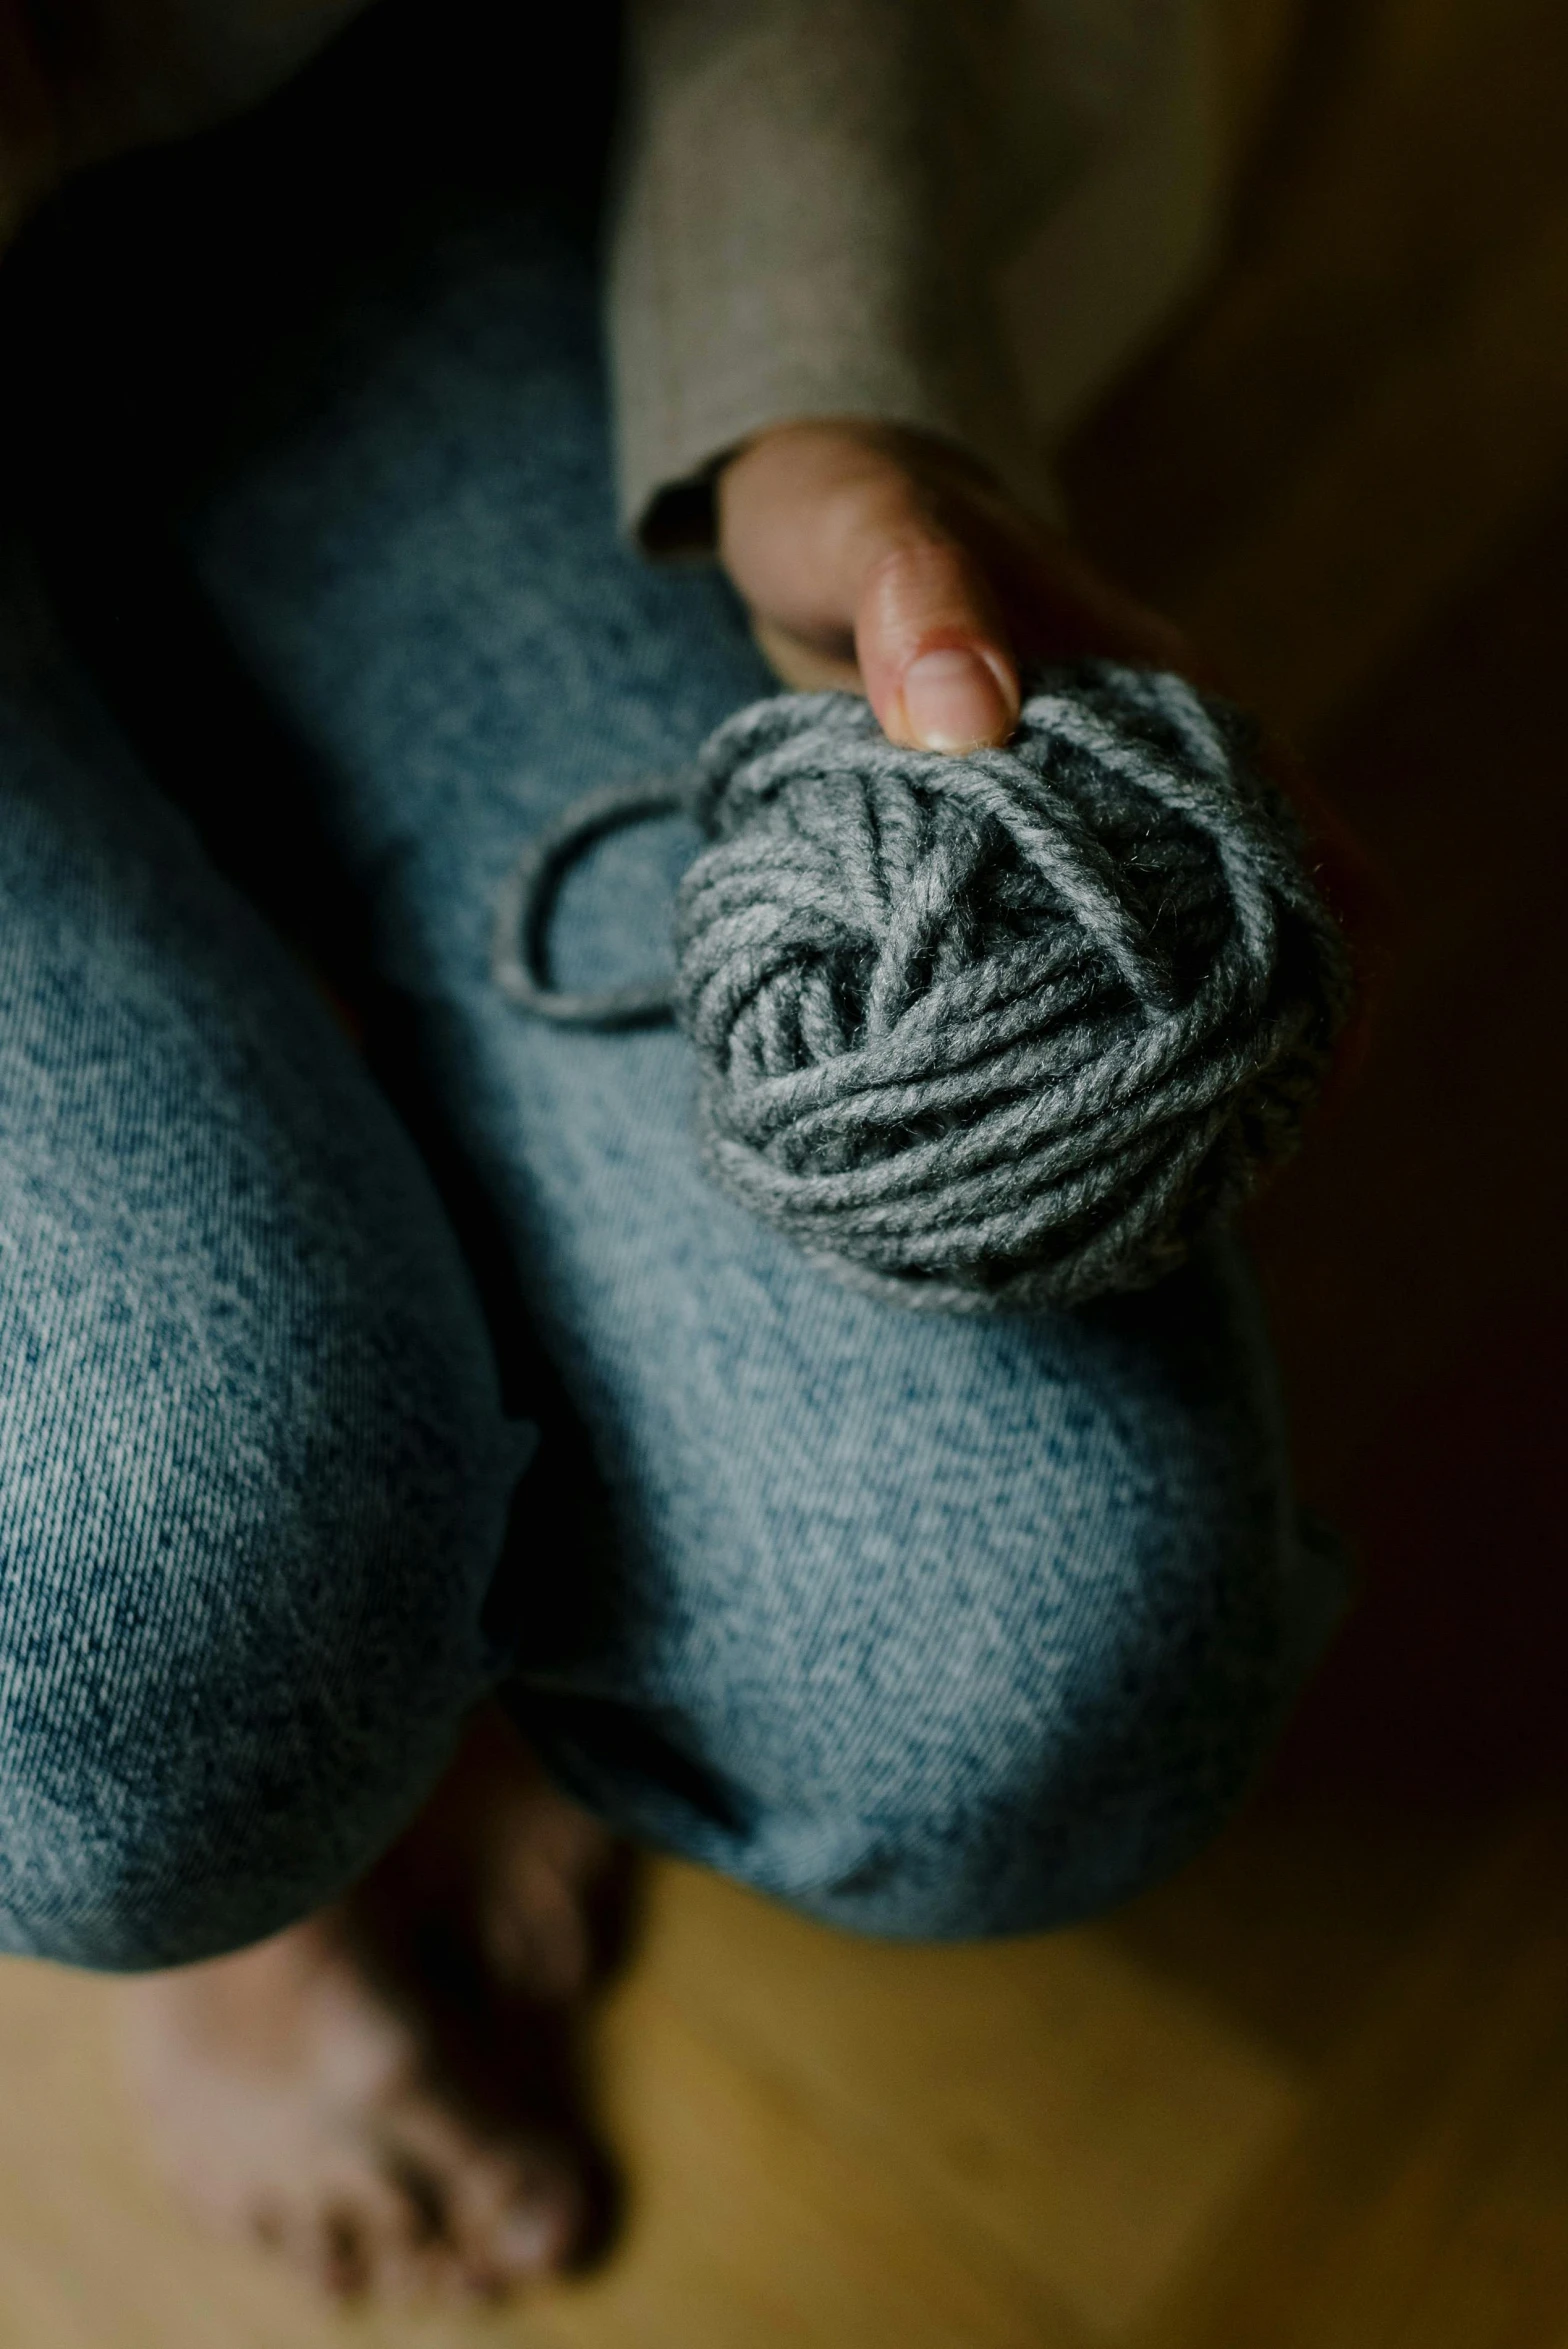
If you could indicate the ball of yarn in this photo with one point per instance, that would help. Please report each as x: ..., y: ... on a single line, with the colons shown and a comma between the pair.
x: 1010, y: 1029
x: 1007, y: 1030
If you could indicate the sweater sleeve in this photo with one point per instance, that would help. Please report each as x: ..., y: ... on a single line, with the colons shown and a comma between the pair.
x: 837, y: 208
x: 792, y: 239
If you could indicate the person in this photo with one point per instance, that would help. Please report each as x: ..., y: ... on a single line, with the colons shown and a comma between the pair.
x: 417, y: 1480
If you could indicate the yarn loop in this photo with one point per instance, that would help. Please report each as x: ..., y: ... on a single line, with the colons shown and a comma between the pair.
x: 1009, y: 1030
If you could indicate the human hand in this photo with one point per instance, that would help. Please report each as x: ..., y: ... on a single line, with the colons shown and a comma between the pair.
x: 881, y: 560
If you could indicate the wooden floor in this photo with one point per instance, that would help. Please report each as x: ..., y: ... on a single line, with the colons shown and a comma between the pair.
x: 1313, y: 2095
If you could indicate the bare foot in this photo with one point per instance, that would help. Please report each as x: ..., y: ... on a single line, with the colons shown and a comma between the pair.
x: 385, y: 2093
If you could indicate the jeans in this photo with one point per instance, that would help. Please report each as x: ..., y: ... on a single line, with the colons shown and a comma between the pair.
x: 926, y: 1627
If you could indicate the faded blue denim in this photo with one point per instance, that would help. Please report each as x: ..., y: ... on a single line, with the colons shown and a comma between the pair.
x: 927, y: 1627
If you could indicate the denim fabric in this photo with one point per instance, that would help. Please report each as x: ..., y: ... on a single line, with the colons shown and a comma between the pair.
x: 253, y: 1469
x: 927, y: 1627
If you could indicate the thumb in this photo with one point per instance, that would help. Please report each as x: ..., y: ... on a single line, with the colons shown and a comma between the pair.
x: 933, y: 653
x: 841, y: 542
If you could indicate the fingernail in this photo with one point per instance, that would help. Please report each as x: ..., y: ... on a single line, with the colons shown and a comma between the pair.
x: 953, y: 700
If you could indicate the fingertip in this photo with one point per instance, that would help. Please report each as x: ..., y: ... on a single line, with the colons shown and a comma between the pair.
x: 956, y: 697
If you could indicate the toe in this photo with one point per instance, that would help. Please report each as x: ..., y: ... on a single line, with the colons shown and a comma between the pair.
x: 342, y: 2253
x: 518, y: 2221
x: 305, y: 2233
x: 512, y: 2213
x: 400, y: 2254
x: 353, y: 2232
x: 523, y: 2234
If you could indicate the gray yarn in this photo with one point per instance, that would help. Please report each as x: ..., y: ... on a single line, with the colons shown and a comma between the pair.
x: 1002, y: 1031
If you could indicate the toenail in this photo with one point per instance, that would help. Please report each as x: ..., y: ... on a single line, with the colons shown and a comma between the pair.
x: 527, y: 2238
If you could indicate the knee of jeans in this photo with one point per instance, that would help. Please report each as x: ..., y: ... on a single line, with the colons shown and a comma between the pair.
x: 1035, y: 1733
x: 239, y: 1630
x: 238, y: 1635
x: 253, y: 1487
